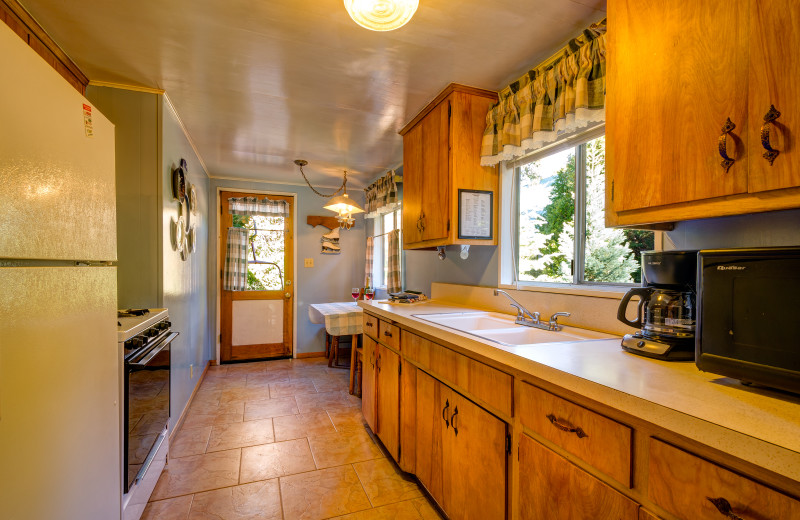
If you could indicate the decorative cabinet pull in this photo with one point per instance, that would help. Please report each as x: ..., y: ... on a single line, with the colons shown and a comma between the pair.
x: 421, y: 222
x: 379, y: 362
x: 727, y: 162
x: 770, y: 153
x: 566, y: 427
x: 724, y: 507
x: 453, y: 420
x: 444, y: 413
x: 387, y: 333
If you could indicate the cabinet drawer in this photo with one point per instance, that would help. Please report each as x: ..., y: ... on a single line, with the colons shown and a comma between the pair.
x: 595, y: 439
x: 370, y: 326
x: 487, y: 384
x: 683, y: 484
x: 389, y: 334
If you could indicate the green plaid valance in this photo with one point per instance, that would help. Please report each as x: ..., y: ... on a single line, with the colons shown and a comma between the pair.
x: 251, y: 206
x: 381, y: 196
x: 550, y: 101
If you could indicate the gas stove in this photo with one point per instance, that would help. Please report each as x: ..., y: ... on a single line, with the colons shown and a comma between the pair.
x: 131, y: 322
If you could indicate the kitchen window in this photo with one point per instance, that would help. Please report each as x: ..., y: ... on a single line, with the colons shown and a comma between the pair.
x: 383, y: 224
x: 559, y: 228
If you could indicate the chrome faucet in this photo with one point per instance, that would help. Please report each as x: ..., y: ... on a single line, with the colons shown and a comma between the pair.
x: 533, y: 317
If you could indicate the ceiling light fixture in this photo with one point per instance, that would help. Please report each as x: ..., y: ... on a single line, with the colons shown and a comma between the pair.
x: 342, y: 205
x: 381, y: 15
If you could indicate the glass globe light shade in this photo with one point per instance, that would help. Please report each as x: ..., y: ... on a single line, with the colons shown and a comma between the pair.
x: 381, y: 15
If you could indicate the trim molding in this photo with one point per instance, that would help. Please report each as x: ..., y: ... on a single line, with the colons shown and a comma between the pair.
x: 124, y: 86
x: 304, y: 355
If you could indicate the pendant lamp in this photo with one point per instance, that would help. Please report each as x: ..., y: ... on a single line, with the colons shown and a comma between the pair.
x: 342, y: 205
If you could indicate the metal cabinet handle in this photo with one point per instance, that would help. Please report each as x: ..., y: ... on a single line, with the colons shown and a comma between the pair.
x: 724, y: 507
x: 727, y: 161
x: 770, y: 153
x: 387, y: 333
x: 453, y: 420
x: 444, y: 413
x: 566, y: 427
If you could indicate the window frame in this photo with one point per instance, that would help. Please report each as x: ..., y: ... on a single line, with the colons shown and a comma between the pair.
x: 578, y: 143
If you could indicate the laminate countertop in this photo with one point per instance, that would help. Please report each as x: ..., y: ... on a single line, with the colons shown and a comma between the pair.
x: 757, y: 425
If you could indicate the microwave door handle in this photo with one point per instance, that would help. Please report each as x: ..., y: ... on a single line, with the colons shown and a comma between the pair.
x: 158, y: 348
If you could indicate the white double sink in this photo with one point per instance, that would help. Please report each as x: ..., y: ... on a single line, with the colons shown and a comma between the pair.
x: 501, y: 328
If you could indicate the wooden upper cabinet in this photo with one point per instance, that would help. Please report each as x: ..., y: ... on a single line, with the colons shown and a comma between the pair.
x: 441, y: 154
x: 677, y: 71
x: 774, y: 69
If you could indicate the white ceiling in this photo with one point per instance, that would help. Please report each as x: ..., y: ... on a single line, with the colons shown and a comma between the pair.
x: 259, y: 83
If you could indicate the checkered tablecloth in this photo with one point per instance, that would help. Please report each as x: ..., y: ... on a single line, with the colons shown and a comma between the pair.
x: 341, y: 319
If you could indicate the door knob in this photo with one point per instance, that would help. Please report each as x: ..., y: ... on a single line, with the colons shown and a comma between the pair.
x: 287, y: 295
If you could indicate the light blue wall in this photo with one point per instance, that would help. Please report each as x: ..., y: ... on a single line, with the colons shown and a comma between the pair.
x: 185, y: 291
x: 776, y: 228
x: 424, y: 268
x: 332, y: 276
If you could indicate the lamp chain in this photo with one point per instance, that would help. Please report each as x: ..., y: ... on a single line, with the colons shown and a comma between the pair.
x: 323, y: 195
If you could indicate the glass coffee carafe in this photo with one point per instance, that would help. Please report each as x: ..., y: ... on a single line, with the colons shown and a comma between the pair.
x: 663, y: 314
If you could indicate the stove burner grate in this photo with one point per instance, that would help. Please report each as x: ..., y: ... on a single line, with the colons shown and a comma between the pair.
x: 127, y: 313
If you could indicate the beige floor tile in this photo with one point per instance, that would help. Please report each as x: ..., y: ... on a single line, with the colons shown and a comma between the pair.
x: 198, y: 473
x: 384, y: 483
x: 426, y: 510
x: 335, y: 449
x: 267, y: 378
x: 204, y: 415
x: 275, y: 460
x: 398, y: 511
x: 255, y: 367
x: 245, y: 393
x: 290, y: 388
x: 256, y: 501
x: 320, y: 402
x: 269, y: 408
x: 347, y: 419
x: 239, y: 435
x: 322, y: 494
x: 190, y: 442
x: 331, y: 384
x: 170, y: 509
x: 302, y: 425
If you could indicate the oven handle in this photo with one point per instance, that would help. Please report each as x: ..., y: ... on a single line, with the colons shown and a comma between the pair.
x: 150, y: 456
x: 158, y: 348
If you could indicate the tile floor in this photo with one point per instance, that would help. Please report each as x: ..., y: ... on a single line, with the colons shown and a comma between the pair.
x: 281, y: 440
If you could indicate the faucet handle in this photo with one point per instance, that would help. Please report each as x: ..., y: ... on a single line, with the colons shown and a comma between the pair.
x: 554, y: 320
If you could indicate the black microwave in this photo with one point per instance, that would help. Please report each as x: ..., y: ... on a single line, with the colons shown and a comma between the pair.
x: 748, y: 323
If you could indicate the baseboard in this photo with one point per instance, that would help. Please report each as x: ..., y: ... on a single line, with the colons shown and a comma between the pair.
x: 302, y: 355
x: 179, y: 423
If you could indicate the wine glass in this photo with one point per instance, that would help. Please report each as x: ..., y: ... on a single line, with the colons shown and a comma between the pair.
x: 355, y: 292
x: 369, y: 293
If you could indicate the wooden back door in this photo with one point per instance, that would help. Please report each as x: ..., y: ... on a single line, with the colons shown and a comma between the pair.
x: 257, y: 323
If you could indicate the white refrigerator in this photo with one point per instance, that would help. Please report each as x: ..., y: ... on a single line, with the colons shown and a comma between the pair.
x: 59, y: 359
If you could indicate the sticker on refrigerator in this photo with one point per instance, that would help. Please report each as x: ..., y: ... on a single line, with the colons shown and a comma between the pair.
x: 87, y: 120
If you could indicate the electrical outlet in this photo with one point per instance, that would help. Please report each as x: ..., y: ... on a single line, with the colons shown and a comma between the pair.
x: 191, y: 371
x: 308, y: 262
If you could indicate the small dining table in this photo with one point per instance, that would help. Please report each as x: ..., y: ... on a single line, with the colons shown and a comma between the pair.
x: 340, y: 319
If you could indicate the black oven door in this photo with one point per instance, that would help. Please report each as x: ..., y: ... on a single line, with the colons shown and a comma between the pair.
x: 146, y: 405
x: 748, y: 326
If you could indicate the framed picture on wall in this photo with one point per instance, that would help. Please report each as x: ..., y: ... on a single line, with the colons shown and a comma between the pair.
x: 475, y: 214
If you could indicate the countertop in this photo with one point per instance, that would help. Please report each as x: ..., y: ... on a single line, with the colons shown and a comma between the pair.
x: 754, y: 424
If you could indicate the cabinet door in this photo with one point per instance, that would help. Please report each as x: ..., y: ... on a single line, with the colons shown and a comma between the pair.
x: 676, y: 72
x: 435, y: 170
x: 551, y: 487
x: 412, y: 185
x: 388, y: 398
x: 369, y: 383
x: 474, y: 461
x: 431, y: 410
x: 774, y: 69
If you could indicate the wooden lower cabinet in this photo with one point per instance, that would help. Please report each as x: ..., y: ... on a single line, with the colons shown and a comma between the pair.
x: 369, y: 383
x: 553, y: 488
x: 460, y: 452
x: 644, y: 514
x: 388, y: 399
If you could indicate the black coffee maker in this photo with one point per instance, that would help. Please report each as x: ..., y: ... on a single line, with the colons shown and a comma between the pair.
x: 666, y: 314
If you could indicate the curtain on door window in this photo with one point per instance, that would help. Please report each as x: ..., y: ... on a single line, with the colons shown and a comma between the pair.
x: 235, y: 272
x: 557, y: 98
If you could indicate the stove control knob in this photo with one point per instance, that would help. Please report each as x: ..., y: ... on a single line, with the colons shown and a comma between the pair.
x: 164, y: 325
x: 134, y: 343
x: 152, y: 332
